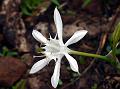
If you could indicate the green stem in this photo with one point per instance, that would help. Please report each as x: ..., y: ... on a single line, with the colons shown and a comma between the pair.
x: 103, y: 58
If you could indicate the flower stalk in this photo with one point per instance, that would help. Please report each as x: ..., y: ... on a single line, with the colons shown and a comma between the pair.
x: 102, y: 58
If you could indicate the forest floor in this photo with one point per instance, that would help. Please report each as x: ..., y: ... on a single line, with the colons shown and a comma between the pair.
x: 17, y: 45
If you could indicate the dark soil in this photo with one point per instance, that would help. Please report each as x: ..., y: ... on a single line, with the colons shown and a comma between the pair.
x: 99, y: 18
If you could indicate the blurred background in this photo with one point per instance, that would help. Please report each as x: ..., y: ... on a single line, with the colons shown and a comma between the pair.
x: 17, y: 46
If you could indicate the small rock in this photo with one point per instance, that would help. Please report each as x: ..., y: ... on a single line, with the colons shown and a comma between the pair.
x: 11, y: 70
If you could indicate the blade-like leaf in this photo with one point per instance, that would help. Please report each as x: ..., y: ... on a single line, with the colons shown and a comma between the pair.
x: 115, y: 38
x: 56, y: 2
x: 85, y: 3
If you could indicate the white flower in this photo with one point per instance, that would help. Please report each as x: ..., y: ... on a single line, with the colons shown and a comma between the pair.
x: 56, y: 49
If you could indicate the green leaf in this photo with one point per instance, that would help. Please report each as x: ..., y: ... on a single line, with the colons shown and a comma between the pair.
x: 115, y: 38
x: 12, y: 54
x: 27, y: 6
x: 25, y: 11
x: 94, y: 86
x: 56, y: 2
x: 85, y: 3
x: 117, y: 51
x: 5, y: 51
x: 20, y: 85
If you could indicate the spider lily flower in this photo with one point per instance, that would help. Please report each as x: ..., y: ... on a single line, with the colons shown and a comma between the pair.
x: 55, y: 49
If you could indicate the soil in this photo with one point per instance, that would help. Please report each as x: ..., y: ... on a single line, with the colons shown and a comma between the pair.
x: 99, y: 18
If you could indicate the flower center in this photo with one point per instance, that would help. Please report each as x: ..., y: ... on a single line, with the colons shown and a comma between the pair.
x: 54, y: 48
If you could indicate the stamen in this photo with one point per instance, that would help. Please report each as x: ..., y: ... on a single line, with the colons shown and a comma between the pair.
x: 39, y: 56
x: 55, y: 37
x: 50, y: 36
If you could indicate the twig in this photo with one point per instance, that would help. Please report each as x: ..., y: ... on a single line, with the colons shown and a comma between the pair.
x: 114, y: 18
x: 62, y: 5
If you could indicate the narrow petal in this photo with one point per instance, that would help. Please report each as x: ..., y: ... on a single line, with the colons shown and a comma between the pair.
x: 38, y: 36
x: 56, y: 74
x: 58, y: 23
x: 76, y: 37
x: 73, y: 62
x: 39, y: 65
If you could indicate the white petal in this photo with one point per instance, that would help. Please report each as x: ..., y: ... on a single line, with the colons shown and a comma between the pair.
x: 39, y: 65
x: 58, y: 23
x: 38, y: 36
x: 76, y: 37
x: 56, y: 74
x: 73, y: 62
